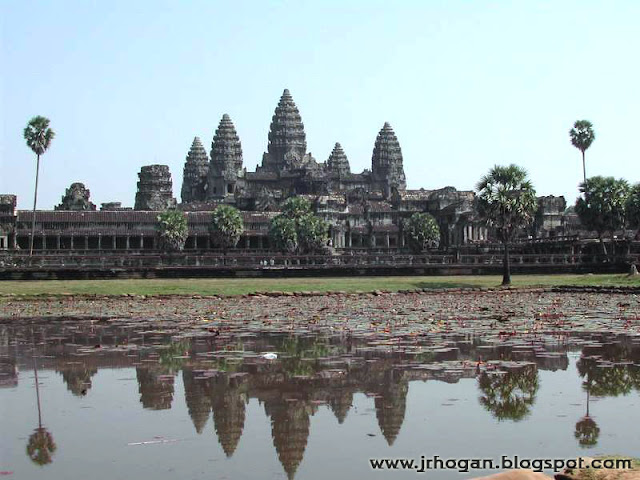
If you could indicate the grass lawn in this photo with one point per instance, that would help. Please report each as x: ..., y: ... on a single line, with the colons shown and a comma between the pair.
x: 238, y: 286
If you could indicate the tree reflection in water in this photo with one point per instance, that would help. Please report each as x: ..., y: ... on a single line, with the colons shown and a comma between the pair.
x: 41, y: 445
x: 608, y: 375
x: 509, y: 395
x: 587, y: 432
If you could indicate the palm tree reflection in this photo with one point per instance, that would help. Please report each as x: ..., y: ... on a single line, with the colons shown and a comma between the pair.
x: 587, y: 432
x: 41, y: 446
x: 608, y: 375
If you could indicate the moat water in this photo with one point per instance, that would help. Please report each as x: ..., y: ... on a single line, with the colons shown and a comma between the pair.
x: 121, y: 402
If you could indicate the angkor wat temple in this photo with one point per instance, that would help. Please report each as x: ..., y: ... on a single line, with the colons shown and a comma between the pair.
x: 364, y: 210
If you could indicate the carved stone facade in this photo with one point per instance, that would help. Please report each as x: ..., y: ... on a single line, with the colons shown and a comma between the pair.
x: 155, y: 189
x: 76, y: 197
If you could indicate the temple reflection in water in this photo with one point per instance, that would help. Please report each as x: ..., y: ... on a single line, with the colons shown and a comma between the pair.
x: 221, y: 374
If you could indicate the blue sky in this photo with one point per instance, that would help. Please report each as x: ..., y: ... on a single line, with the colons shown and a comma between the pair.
x: 465, y: 85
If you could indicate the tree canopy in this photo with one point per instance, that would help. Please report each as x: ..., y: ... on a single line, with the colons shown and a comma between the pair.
x: 283, y: 233
x: 297, y: 229
x: 602, y: 207
x: 226, y: 226
x: 173, y: 230
x: 507, y: 200
x: 296, y: 207
x: 582, y: 135
x: 312, y: 233
x: 422, y: 231
x: 38, y: 134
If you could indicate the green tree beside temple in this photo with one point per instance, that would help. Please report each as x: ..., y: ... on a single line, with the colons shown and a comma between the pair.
x: 312, y: 233
x: 507, y: 200
x: 226, y: 226
x: 38, y: 136
x: 422, y: 231
x: 297, y: 229
x: 172, y: 230
x: 602, y: 206
x: 296, y: 207
x: 283, y: 234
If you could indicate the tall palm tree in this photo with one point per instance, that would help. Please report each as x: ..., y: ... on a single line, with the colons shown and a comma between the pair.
x: 507, y: 201
x: 582, y: 136
x: 38, y: 136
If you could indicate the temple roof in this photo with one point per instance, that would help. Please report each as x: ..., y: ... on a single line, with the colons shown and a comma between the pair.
x: 386, y: 150
x: 338, y: 161
x: 195, y: 172
x: 226, y: 150
x: 287, y: 140
x: 386, y: 161
x: 197, y: 154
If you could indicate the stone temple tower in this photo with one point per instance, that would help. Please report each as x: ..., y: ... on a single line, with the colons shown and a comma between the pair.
x: 154, y: 189
x: 195, y: 173
x: 386, y: 162
x: 287, y: 140
x: 338, y: 161
x: 226, y: 161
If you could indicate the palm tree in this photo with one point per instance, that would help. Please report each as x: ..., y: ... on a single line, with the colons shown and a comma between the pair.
x: 507, y: 201
x: 38, y: 136
x: 582, y: 136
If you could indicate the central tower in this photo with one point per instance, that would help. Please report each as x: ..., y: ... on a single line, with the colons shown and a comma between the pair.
x: 287, y: 140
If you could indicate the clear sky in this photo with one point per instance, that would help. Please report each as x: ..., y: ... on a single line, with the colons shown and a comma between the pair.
x: 465, y: 85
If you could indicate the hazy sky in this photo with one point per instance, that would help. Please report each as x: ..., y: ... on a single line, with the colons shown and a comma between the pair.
x: 465, y: 85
